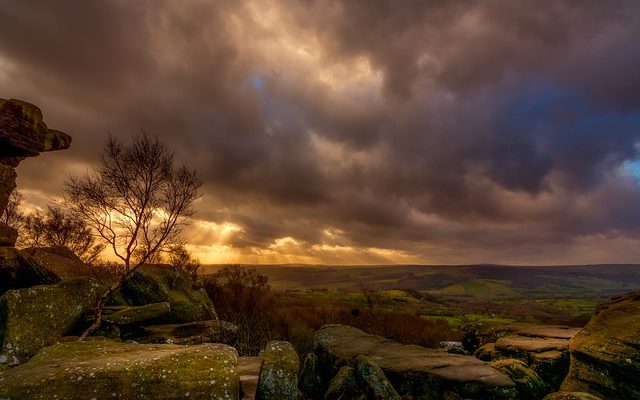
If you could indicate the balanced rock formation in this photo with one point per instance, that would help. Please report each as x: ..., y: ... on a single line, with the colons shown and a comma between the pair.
x: 23, y: 134
x: 605, y: 355
x: 103, y: 369
x: 412, y: 370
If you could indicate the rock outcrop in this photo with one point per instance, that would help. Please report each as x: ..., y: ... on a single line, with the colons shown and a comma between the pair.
x: 23, y: 133
x: 103, y: 369
x: 605, y: 355
x: 278, y: 372
x: 544, y: 348
x: 33, y: 318
x: 412, y: 370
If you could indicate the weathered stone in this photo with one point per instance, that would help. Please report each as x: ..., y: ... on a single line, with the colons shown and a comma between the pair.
x: 33, y: 318
x: 605, y: 355
x: 310, y: 382
x: 23, y: 133
x: 529, y: 384
x: 278, y: 372
x: 164, y: 283
x: 571, y: 396
x: 544, y: 348
x: 344, y: 386
x: 104, y: 369
x: 375, y: 383
x: 412, y: 370
x: 213, y: 331
x: 128, y: 315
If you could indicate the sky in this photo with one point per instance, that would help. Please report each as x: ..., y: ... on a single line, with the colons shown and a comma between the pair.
x: 355, y: 131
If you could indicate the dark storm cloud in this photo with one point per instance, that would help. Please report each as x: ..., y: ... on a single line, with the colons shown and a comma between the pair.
x: 478, y: 130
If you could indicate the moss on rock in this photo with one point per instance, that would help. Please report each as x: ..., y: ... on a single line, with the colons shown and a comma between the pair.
x: 38, y: 316
x: 310, y: 382
x: 104, y: 369
x: 373, y: 380
x: 344, y: 386
x: 164, y: 283
x: 278, y: 372
x: 529, y: 384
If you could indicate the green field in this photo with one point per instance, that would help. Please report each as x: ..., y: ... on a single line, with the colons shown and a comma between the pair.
x: 457, y: 294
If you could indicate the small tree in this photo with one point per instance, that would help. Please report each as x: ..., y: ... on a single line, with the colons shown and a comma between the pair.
x: 137, y: 201
x: 56, y: 227
x: 180, y: 258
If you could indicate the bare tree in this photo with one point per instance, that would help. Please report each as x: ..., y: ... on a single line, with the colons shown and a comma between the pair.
x: 136, y: 200
x: 370, y: 297
x: 180, y: 258
x: 56, y: 227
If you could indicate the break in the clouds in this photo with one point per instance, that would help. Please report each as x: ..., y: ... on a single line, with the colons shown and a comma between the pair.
x: 359, y: 131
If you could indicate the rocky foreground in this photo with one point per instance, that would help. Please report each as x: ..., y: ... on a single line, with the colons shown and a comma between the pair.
x: 161, y: 338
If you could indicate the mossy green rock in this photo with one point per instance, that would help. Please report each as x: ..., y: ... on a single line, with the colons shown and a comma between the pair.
x: 103, y: 369
x: 344, y: 386
x: 164, y: 283
x: 33, y: 318
x: 412, y: 370
x: 529, y: 384
x: 605, y: 355
x: 373, y: 380
x: 278, y: 372
x: 310, y: 382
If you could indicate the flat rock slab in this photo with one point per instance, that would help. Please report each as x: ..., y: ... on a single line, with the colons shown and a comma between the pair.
x: 548, y: 331
x: 417, y: 371
x: 104, y: 369
x: 531, y: 344
x: 249, y: 370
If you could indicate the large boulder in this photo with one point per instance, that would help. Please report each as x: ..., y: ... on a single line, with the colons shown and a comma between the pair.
x: 412, y: 370
x: 605, y: 355
x: 33, y: 318
x: 164, y: 283
x: 18, y: 271
x: 103, y: 369
x: 278, y: 372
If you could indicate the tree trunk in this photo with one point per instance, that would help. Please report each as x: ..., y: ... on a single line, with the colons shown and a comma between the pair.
x: 97, y: 315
